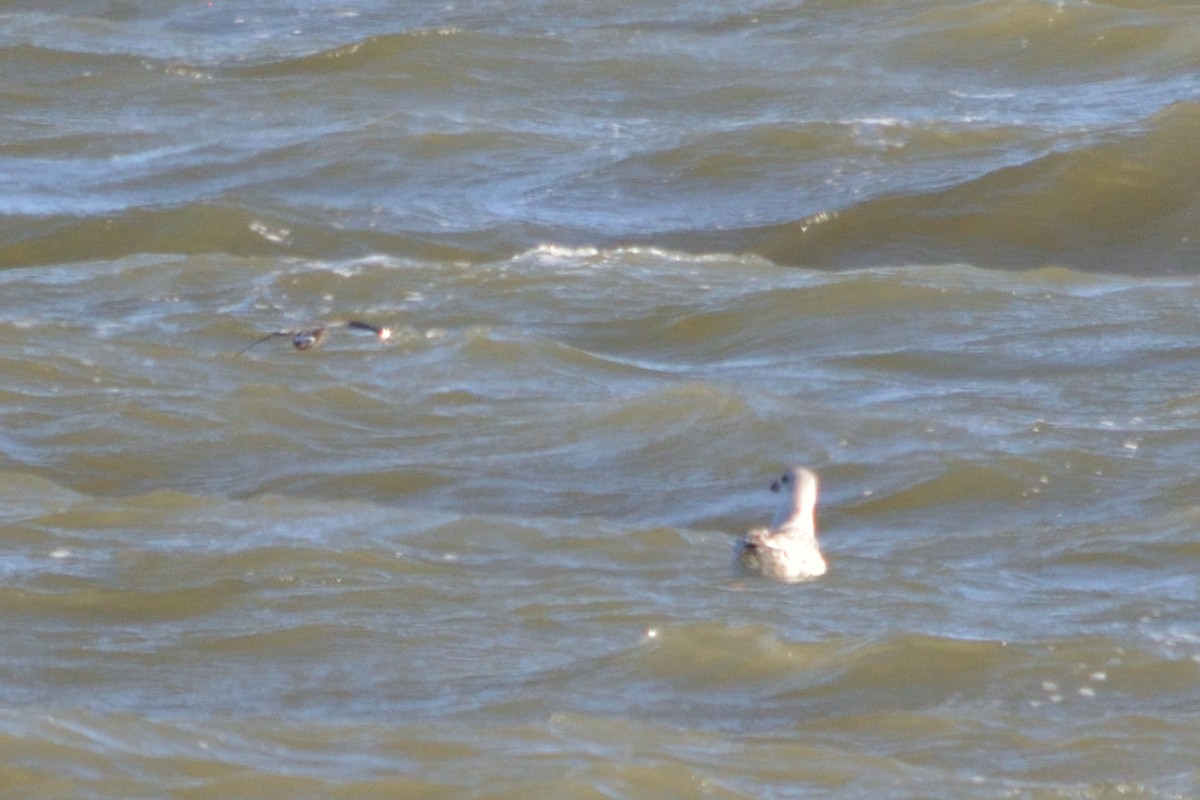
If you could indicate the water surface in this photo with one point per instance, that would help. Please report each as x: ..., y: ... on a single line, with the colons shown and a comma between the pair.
x: 638, y: 260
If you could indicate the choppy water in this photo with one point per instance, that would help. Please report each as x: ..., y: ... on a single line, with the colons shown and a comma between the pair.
x: 637, y: 260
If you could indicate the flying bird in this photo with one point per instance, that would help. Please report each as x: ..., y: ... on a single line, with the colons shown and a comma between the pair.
x: 311, y: 338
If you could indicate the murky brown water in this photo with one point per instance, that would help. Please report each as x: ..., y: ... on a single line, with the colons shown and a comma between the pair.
x: 490, y: 556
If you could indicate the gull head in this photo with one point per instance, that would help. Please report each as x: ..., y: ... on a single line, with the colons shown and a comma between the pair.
x: 797, y: 482
x: 797, y: 489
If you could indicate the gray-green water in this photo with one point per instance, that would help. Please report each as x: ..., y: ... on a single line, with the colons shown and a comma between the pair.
x: 637, y: 260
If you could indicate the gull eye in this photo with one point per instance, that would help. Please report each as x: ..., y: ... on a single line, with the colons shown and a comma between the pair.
x: 785, y: 478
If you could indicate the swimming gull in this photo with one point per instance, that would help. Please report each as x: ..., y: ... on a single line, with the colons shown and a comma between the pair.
x: 788, y: 549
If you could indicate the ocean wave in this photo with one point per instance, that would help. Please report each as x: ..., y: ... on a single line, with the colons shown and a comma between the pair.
x: 199, y: 228
x: 1127, y: 204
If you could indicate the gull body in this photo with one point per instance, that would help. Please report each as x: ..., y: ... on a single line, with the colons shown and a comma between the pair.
x: 787, y: 550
